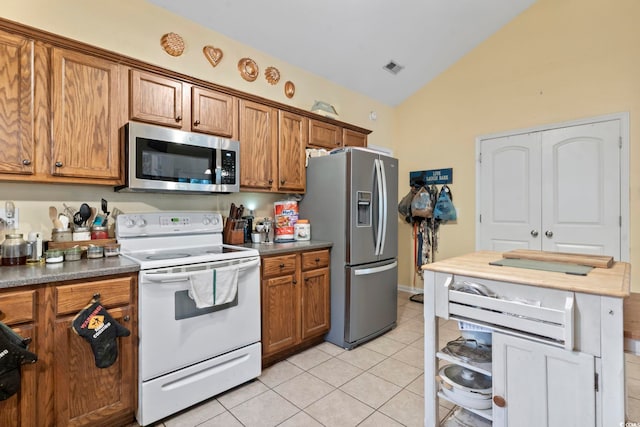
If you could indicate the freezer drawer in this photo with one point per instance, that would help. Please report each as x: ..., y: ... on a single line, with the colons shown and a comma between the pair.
x: 371, y: 306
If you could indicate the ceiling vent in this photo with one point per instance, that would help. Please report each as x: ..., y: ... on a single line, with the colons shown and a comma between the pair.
x: 393, y: 68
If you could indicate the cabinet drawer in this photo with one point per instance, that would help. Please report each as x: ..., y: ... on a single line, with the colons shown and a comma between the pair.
x: 279, y: 265
x: 17, y: 307
x: 113, y: 292
x: 315, y: 259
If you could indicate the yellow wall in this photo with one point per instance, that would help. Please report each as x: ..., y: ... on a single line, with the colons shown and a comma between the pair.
x: 134, y: 28
x: 558, y: 61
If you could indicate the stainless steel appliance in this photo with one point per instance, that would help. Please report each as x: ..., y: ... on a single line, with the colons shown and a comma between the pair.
x: 167, y: 160
x: 188, y: 354
x: 351, y: 200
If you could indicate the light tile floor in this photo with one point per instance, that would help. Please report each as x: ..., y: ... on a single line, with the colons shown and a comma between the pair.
x: 377, y: 384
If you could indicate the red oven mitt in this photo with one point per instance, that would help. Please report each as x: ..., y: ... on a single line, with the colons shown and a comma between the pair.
x: 96, y: 325
x: 13, y: 353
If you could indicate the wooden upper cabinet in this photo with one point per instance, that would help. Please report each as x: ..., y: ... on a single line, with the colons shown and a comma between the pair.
x: 351, y: 138
x: 16, y: 104
x: 258, y: 146
x: 214, y: 112
x: 292, y: 140
x: 86, y: 102
x: 156, y: 99
x: 324, y: 135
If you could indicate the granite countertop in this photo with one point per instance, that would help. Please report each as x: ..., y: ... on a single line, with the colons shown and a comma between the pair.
x: 267, y: 249
x: 23, y: 275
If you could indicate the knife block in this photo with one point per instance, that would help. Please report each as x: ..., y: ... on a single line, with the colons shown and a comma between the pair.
x: 233, y: 232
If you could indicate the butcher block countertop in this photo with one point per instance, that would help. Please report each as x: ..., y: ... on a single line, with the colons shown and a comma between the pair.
x: 632, y: 317
x: 614, y: 281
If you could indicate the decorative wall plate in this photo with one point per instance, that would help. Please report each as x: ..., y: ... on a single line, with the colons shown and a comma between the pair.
x: 172, y: 43
x: 248, y: 69
x: 213, y: 54
x: 272, y: 75
x: 289, y: 89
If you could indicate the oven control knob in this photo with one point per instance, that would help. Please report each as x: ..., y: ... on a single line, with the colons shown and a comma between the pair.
x: 141, y: 222
x: 206, y: 220
x: 130, y: 223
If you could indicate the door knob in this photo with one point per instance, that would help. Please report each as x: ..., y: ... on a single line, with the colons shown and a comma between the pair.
x: 534, y: 233
x: 26, y: 162
x: 548, y: 233
x: 499, y: 401
x: 58, y: 164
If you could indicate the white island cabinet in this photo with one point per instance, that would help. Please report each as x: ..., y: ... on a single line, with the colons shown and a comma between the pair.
x: 557, y: 340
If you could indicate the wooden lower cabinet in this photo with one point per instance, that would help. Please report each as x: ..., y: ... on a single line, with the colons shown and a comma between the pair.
x: 64, y: 387
x: 18, y: 311
x: 295, y: 303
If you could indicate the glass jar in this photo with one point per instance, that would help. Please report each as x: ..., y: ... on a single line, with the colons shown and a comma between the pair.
x: 73, y: 254
x: 14, y: 250
x: 99, y: 232
x: 54, y: 256
x: 61, y: 235
x: 302, y: 230
x: 81, y: 233
x: 95, y: 252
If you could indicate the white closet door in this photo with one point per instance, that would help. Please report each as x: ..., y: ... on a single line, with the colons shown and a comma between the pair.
x: 554, y: 190
x: 510, y: 192
x: 581, y: 189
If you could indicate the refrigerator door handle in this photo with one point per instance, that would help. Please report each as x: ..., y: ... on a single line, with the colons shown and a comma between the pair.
x: 380, y: 212
x: 384, y: 218
x: 374, y: 270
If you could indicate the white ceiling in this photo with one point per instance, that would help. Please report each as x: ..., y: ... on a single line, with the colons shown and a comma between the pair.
x: 350, y: 41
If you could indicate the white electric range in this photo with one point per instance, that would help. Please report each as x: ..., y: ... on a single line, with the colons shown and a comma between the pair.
x: 188, y: 354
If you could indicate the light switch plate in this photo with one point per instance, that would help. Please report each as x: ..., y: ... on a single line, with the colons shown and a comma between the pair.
x: 3, y: 218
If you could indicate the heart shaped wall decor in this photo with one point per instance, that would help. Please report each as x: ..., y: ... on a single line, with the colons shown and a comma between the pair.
x: 213, y: 54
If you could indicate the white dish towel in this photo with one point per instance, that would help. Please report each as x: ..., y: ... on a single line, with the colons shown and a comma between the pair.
x: 214, y: 287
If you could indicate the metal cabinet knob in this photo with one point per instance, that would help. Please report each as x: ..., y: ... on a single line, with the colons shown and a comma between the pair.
x: 282, y: 265
x: 317, y: 260
x: 499, y: 401
x: 179, y: 119
x: 126, y: 318
x: 548, y: 233
x: 534, y: 233
x: 282, y: 181
x: 26, y: 162
x: 295, y: 282
x: 58, y: 164
x: 196, y: 123
x: 270, y: 182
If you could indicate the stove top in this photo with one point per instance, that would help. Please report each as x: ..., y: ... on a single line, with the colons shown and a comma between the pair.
x: 166, y: 239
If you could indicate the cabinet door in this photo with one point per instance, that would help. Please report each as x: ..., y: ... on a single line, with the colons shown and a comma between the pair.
x: 292, y: 141
x: 85, y: 111
x: 156, y: 99
x: 214, y: 113
x: 541, y: 385
x: 16, y: 104
x: 351, y: 138
x: 86, y: 395
x: 258, y: 139
x: 324, y: 135
x: 21, y: 408
x: 280, y: 318
x: 315, y: 314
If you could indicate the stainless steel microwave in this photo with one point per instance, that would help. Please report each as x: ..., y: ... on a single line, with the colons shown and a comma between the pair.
x: 162, y: 159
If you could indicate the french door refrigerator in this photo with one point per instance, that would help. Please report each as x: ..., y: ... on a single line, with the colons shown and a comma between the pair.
x: 351, y: 201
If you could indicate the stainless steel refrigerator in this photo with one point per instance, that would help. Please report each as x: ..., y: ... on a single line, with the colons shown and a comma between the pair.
x: 351, y: 201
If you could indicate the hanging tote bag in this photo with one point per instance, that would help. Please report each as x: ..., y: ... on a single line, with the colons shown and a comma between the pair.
x: 444, y: 209
x: 422, y: 204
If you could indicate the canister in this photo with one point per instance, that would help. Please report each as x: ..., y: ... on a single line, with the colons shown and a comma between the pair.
x: 99, y: 232
x: 61, y: 235
x: 14, y: 250
x: 303, y: 230
x: 81, y: 233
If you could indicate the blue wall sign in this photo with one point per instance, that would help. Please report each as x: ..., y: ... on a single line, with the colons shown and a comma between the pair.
x: 432, y: 176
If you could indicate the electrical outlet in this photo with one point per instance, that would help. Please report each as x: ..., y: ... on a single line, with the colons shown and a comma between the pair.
x: 9, y: 224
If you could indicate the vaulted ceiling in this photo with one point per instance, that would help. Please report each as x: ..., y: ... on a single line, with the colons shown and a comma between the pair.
x: 354, y: 43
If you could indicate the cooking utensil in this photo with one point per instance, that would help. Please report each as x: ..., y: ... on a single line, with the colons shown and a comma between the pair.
x: 64, y: 220
x: 53, y: 215
x: 92, y: 217
x: 232, y: 211
x: 85, y: 213
x: 104, y: 206
x: 240, y: 212
x: 68, y: 211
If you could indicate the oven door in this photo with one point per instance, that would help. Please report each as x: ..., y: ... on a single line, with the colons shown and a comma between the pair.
x: 174, y: 333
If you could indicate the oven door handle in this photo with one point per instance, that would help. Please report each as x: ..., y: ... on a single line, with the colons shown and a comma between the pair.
x: 183, y: 276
